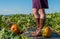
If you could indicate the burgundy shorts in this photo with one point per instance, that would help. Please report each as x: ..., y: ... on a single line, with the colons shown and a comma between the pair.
x: 40, y: 4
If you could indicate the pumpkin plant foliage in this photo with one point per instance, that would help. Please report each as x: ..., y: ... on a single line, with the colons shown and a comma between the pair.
x: 24, y: 21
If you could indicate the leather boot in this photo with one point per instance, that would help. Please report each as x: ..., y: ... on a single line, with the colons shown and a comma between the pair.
x: 37, y: 22
x: 37, y: 26
x: 42, y: 23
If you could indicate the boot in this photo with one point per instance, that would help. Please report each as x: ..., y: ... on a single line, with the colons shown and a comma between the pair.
x: 38, y: 30
x: 42, y: 23
x: 37, y: 26
x: 37, y: 22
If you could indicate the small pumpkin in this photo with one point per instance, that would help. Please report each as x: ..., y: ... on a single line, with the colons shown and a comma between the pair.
x: 14, y: 28
x: 46, y: 32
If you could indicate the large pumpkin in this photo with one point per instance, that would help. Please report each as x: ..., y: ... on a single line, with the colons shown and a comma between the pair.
x: 46, y: 32
x: 14, y: 28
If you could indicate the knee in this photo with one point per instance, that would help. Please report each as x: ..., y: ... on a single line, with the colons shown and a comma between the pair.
x: 42, y: 13
x: 42, y: 16
x: 35, y: 12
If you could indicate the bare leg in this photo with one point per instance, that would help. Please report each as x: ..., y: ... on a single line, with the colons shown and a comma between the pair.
x: 37, y: 17
x: 42, y: 17
x: 35, y: 12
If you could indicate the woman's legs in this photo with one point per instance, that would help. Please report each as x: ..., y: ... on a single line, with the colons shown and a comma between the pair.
x: 37, y: 17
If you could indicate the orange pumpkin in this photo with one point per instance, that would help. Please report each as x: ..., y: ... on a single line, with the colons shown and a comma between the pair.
x: 14, y: 28
x: 46, y: 32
